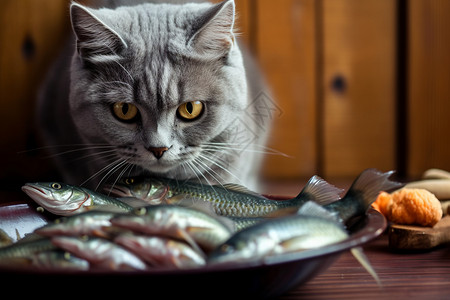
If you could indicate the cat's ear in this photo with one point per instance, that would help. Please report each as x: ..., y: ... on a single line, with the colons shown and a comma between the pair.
x: 95, y: 40
x: 214, y: 36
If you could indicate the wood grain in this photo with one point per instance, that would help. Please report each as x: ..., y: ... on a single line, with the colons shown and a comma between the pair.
x: 286, y: 48
x: 429, y: 86
x: 31, y: 34
x: 358, y: 86
x: 423, y: 275
x: 418, y: 237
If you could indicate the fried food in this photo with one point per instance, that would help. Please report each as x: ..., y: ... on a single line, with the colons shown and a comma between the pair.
x: 410, y: 207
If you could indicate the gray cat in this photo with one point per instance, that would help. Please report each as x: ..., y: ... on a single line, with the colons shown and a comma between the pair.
x: 154, y: 89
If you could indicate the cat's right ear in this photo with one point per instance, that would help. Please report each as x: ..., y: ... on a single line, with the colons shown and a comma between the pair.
x: 95, y: 40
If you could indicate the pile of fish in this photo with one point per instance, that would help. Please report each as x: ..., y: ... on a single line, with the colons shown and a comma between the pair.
x: 161, y: 223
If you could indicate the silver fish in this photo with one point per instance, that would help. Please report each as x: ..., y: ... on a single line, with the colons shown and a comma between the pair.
x: 20, y: 253
x: 195, y: 227
x: 313, y: 226
x: 87, y: 223
x: 229, y: 200
x: 362, y: 193
x: 277, y: 236
x: 66, y: 200
x: 58, y: 260
x: 100, y: 253
x: 161, y: 252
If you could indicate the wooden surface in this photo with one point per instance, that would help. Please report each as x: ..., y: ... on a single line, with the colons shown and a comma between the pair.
x: 418, y: 237
x: 359, y: 113
x: 429, y: 85
x: 286, y: 48
x: 409, y: 276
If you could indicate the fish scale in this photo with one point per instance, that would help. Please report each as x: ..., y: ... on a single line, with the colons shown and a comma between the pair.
x: 229, y: 200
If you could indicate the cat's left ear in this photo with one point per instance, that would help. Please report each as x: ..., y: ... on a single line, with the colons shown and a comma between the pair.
x: 214, y: 36
x: 95, y: 39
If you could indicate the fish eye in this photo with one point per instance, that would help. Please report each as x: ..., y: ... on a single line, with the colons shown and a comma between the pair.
x: 67, y: 256
x: 56, y: 186
x: 225, y: 248
x: 140, y: 211
x: 129, y: 180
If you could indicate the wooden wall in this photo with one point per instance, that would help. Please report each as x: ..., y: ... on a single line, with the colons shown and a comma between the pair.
x: 358, y: 83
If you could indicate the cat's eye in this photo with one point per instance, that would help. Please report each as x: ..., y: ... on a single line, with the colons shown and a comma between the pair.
x: 190, y: 110
x: 126, y: 112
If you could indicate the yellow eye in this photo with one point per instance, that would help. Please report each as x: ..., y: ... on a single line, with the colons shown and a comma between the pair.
x: 190, y: 110
x: 125, y: 111
x: 56, y: 186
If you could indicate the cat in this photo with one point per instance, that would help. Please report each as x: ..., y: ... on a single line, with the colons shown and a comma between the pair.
x: 154, y: 89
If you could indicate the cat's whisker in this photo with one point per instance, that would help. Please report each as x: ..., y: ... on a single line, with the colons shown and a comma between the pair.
x: 208, y: 170
x: 96, y: 156
x: 261, y: 149
x: 102, y: 170
x: 197, y: 167
x: 80, y: 147
x: 189, y: 164
x: 221, y: 167
x: 110, y: 172
x: 127, y: 165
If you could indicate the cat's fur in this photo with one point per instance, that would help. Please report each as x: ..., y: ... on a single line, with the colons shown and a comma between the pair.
x: 155, y: 56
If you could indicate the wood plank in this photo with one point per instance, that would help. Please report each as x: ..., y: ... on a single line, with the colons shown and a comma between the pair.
x: 286, y: 48
x: 429, y: 86
x: 31, y: 33
x: 358, y: 86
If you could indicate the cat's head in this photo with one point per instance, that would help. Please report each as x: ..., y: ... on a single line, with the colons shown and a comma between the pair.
x: 157, y: 81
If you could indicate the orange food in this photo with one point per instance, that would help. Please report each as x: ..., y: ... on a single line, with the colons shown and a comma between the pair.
x: 410, y: 206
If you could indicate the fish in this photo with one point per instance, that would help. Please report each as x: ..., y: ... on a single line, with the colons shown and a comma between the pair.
x: 66, y: 200
x: 294, y: 233
x: 313, y: 226
x: 362, y: 193
x: 100, y: 253
x: 161, y: 252
x: 199, y: 229
x: 20, y: 253
x: 90, y: 223
x: 58, y: 260
x: 151, y: 191
x: 278, y: 236
x: 229, y: 200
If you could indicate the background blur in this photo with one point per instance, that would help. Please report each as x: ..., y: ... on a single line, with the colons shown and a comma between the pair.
x: 356, y: 83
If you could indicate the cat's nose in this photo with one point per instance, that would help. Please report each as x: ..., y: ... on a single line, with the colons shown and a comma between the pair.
x: 158, y: 151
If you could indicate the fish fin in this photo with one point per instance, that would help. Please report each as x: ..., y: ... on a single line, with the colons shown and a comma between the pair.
x: 188, y: 239
x: 320, y: 191
x: 358, y: 253
x: 133, y: 202
x: 311, y: 208
x: 369, y: 184
x: 240, y: 189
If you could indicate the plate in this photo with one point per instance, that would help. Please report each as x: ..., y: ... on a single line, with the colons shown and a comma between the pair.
x: 270, y: 277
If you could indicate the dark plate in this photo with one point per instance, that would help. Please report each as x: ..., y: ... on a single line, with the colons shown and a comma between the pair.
x: 268, y: 278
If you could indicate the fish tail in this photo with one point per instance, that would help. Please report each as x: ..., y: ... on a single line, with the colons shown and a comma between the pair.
x: 369, y: 184
x: 319, y: 191
x: 358, y: 253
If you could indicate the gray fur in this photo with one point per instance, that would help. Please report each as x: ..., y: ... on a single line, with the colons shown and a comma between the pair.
x: 155, y: 56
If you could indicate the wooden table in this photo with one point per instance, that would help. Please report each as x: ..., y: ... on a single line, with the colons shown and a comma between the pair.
x: 424, y: 275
